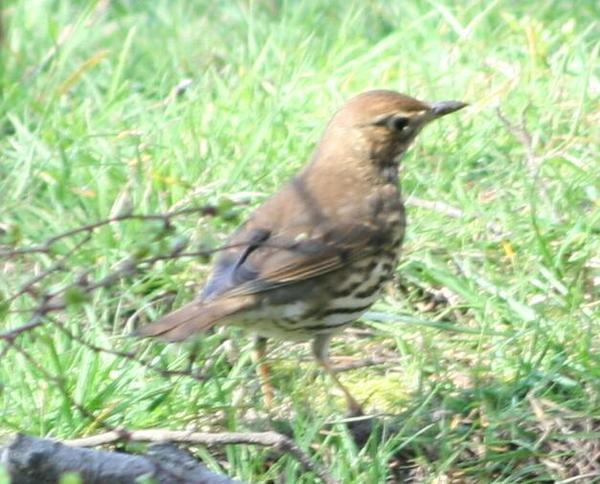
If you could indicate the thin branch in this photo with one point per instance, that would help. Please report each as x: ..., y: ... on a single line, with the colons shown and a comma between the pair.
x: 206, y: 210
x: 34, y: 322
x: 57, y: 266
x: 128, y: 355
x: 273, y: 440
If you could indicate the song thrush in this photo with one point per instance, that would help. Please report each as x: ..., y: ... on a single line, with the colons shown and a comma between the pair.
x: 313, y: 258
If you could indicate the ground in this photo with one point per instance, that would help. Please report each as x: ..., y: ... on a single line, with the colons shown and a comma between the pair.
x: 481, y: 359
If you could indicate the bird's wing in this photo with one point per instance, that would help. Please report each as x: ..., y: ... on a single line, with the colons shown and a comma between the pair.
x: 260, y: 260
x: 301, y: 233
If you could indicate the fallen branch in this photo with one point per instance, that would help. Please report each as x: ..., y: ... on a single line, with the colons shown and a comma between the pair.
x: 31, y: 460
x: 274, y: 440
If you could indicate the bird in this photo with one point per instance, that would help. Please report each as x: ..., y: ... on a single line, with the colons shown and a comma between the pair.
x: 311, y: 259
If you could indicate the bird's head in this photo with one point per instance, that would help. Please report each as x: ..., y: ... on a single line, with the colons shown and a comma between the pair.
x: 380, y: 125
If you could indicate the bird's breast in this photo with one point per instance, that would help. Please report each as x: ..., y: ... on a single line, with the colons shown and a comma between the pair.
x: 325, y: 305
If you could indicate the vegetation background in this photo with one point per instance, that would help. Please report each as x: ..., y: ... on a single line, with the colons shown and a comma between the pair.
x: 486, y: 350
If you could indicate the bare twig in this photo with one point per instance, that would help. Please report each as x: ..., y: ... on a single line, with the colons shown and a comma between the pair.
x: 11, y: 334
x: 127, y: 355
x: 273, y: 440
x: 521, y: 134
x: 206, y: 210
x: 57, y: 266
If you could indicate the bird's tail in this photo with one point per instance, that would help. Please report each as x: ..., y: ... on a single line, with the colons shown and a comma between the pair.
x: 194, y: 317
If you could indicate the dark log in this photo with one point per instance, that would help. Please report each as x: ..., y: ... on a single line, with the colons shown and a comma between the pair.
x: 30, y: 460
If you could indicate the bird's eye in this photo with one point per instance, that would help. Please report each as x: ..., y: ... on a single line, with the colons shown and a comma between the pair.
x: 398, y: 123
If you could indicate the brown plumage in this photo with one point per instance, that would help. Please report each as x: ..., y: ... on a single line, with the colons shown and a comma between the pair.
x: 313, y: 258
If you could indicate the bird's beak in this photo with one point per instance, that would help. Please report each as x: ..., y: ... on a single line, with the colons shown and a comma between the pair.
x: 441, y: 108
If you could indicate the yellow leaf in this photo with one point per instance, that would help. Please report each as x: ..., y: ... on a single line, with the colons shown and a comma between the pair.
x: 85, y: 66
x: 508, y: 249
x: 84, y: 192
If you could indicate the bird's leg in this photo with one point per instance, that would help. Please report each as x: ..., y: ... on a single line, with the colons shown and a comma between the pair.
x: 262, y: 369
x: 321, y: 352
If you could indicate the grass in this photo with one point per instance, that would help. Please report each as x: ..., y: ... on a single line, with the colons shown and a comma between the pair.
x: 489, y: 340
